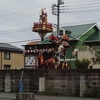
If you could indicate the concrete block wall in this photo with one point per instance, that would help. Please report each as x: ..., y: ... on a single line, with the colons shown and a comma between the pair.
x: 61, y: 80
x: 2, y: 81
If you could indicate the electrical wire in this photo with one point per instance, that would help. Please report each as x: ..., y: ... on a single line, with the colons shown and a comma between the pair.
x: 28, y: 28
x: 82, y: 4
x: 21, y: 14
x: 14, y: 31
x: 24, y: 41
x: 17, y: 17
x: 39, y: 39
x: 24, y: 15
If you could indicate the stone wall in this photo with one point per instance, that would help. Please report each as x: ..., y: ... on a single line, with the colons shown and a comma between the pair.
x: 62, y: 80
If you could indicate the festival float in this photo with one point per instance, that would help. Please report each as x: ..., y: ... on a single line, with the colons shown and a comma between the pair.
x: 39, y: 55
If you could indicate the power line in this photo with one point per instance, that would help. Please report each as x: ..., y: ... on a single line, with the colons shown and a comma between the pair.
x: 83, y: 4
x: 22, y: 15
x: 40, y: 40
x: 17, y: 17
x: 21, y: 12
x: 84, y: 7
x: 35, y: 14
x: 83, y: 11
x: 33, y: 9
x: 14, y: 31
x: 28, y: 28
x: 80, y: 23
x: 24, y: 41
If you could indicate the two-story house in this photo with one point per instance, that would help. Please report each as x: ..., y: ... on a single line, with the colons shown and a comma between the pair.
x: 11, y: 57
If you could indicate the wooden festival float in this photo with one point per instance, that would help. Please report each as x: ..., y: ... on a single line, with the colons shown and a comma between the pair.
x: 39, y: 55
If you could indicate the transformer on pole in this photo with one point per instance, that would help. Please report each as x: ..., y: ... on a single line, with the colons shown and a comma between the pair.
x: 58, y: 13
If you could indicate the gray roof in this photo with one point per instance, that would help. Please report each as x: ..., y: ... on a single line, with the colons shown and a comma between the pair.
x: 6, y: 46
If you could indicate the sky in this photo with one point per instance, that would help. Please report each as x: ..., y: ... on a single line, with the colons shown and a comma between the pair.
x: 17, y: 17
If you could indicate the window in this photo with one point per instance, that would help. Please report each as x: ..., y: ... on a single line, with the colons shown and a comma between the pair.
x: 7, y: 55
x: 7, y: 67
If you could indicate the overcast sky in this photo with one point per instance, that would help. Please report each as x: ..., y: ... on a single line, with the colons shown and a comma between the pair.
x: 17, y: 17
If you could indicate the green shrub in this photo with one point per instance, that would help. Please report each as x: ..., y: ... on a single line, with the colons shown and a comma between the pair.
x: 69, y: 92
x: 77, y: 91
x: 84, y: 63
x: 98, y: 94
x: 87, y: 93
x: 91, y: 92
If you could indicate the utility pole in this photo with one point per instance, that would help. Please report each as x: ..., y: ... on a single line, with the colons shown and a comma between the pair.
x: 59, y: 2
x: 58, y: 18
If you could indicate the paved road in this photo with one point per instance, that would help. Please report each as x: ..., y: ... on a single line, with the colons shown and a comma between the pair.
x: 12, y: 96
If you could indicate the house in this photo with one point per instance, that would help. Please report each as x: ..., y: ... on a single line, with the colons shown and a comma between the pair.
x: 85, y: 34
x: 11, y: 57
x: 85, y: 37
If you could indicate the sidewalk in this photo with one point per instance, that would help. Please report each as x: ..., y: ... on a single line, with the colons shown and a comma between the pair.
x: 7, y: 96
x: 12, y: 96
x: 39, y: 97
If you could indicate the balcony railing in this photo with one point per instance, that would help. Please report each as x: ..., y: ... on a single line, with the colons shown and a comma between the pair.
x: 87, y: 48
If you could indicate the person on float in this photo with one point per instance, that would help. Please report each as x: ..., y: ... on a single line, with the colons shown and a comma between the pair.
x: 53, y: 38
x: 41, y: 60
x: 64, y: 39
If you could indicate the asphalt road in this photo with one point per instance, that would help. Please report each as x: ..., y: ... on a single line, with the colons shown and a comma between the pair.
x: 12, y: 96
